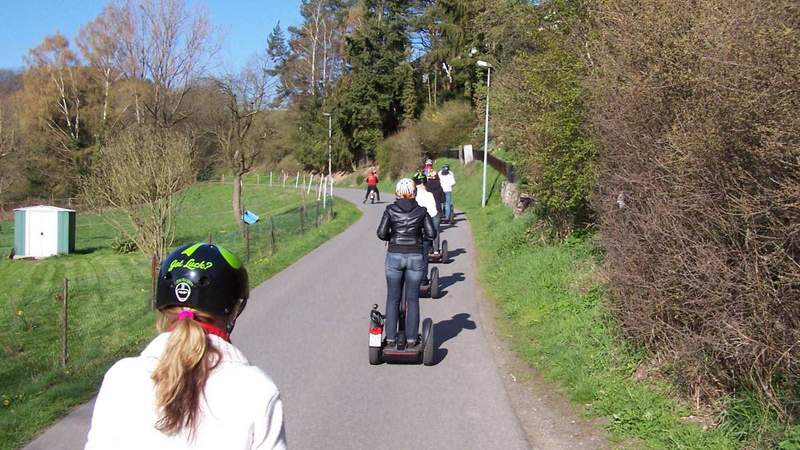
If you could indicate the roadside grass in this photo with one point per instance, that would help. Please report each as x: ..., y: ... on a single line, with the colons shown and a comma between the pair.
x: 552, y: 306
x: 109, y: 309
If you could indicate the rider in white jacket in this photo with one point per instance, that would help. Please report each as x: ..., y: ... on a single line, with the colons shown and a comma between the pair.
x: 427, y: 201
x: 191, y: 388
x: 241, y: 409
x: 448, y: 180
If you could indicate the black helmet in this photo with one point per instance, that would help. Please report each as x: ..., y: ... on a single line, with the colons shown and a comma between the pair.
x: 203, y: 276
x: 419, y: 178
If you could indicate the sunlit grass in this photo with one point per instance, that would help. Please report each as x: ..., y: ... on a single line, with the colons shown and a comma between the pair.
x: 109, y: 309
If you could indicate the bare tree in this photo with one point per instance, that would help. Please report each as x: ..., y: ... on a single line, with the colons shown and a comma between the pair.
x: 101, y: 49
x: 161, y: 43
x: 316, y: 46
x: 53, y: 61
x: 239, y: 132
x: 141, y: 173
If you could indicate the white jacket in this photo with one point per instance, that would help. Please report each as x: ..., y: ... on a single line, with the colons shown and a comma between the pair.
x: 447, y: 181
x: 241, y: 408
x: 426, y: 200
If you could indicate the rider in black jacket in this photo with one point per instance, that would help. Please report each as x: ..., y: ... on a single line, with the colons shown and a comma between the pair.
x: 404, y: 225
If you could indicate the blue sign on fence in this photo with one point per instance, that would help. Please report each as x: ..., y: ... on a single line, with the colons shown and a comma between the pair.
x: 249, y: 217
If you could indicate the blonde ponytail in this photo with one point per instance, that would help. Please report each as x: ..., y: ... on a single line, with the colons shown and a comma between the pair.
x: 182, y: 371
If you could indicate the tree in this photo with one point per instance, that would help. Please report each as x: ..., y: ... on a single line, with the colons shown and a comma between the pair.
x: 102, y: 50
x: 141, y: 173
x: 316, y: 46
x: 447, y: 32
x: 53, y: 61
x: 51, y: 108
x: 163, y: 45
x: 9, y: 151
x: 278, y: 55
x: 369, y: 101
x: 240, y: 135
x: 409, y: 99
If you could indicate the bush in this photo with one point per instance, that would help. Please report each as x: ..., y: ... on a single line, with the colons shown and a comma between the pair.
x: 540, y: 112
x: 290, y: 165
x: 123, y: 245
x: 696, y: 105
x: 400, y: 153
x: 445, y: 126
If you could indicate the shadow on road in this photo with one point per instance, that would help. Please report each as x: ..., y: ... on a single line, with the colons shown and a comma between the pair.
x: 445, y: 330
x: 455, y: 252
x: 449, y: 280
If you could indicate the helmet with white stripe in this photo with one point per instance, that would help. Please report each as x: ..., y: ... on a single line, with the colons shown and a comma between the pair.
x: 405, y: 187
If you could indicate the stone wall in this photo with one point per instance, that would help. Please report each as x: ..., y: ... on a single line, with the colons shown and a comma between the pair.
x: 514, y: 199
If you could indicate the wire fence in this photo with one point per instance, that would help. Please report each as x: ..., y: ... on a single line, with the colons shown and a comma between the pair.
x: 263, y: 239
x: 312, y: 182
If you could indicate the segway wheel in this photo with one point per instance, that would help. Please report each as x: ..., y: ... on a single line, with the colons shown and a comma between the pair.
x: 375, y: 356
x: 427, y: 334
x: 444, y: 252
x: 434, y: 282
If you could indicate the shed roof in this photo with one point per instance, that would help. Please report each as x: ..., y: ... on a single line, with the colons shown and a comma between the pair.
x: 43, y: 208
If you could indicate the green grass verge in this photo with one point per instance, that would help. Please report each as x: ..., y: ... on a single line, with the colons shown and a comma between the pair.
x: 553, y: 311
x: 109, y: 309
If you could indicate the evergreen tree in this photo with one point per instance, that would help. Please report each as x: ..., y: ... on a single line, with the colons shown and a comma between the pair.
x: 371, y: 106
x: 277, y: 51
x: 409, y: 99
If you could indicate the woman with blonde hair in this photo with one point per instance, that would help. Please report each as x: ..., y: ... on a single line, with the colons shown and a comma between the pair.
x: 405, y: 224
x: 191, y: 388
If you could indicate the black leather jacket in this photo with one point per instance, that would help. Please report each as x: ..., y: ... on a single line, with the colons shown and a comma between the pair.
x: 434, y: 186
x: 405, y: 224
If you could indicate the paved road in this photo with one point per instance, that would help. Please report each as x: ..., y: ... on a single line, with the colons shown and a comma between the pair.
x: 307, y: 327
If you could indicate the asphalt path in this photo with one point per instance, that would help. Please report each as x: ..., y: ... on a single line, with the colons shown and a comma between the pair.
x: 307, y: 327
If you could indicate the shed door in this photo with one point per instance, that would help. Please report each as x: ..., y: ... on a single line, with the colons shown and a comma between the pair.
x: 42, y: 239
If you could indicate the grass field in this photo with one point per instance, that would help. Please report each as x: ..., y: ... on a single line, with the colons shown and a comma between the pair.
x: 109, y: 310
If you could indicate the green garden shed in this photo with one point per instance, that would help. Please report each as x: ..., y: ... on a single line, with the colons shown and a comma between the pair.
x: 42, y: 231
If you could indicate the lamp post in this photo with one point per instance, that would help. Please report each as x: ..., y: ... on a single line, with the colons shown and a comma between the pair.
x: 486, y: 128
x: 330, y: 172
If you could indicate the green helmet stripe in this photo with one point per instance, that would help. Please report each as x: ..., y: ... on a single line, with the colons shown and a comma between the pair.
x: 232, y: 260
x: 189, y: 251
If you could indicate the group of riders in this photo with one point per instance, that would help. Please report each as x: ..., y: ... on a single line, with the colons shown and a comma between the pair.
x: 411, y: 226
x: 192, y: 388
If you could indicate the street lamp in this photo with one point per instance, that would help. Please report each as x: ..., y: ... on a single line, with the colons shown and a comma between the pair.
x: 486, y: 128
x: 330, y: 172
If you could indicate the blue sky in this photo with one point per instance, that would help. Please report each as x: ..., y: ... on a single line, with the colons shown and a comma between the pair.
x: 245, y: 23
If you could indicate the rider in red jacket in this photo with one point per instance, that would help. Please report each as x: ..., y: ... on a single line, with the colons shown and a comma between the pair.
x: 372, y: 186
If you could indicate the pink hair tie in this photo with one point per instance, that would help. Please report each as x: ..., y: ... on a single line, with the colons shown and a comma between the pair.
x: 186, y: 313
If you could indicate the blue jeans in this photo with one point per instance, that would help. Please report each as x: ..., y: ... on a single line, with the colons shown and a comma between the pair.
x: 448, y: 204
x: 402, y: 267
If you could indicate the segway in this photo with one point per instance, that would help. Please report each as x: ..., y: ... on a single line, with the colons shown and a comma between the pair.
x: 439, y: 256
x: 380, y: 352
x: 450, y: 219
x: 432, y: 288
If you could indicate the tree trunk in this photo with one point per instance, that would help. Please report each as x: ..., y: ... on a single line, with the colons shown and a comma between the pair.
x: 237, y: 200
